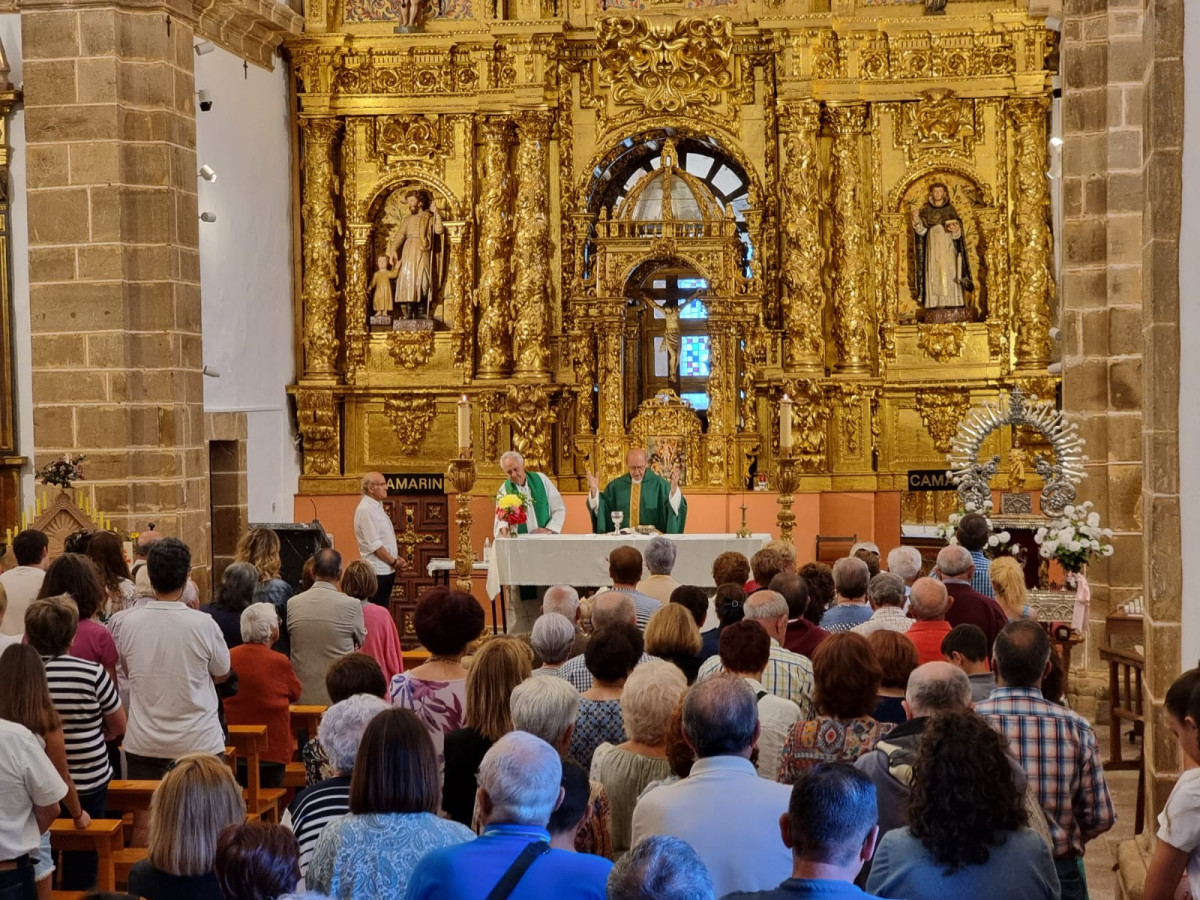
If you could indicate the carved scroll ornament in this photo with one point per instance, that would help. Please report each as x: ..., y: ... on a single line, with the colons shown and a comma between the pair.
x: 941, y: 410
x: 666, y: 68
x: 410, y: 418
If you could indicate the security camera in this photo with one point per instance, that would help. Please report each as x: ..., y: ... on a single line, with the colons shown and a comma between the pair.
x: 208, y: 217
x: 207, y: 173
x: 204, y: 47
x: 206, y: 101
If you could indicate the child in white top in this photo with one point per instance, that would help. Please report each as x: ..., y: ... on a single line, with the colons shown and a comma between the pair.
x: 1177, y: 853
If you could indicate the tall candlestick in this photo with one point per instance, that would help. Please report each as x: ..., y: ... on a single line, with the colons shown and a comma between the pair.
x: 464, y: 424
x: 785, y: 425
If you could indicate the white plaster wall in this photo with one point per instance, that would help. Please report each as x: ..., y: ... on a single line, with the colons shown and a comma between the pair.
x: 1189, y: 336
x: 10, y: 38
x: 246, y: 267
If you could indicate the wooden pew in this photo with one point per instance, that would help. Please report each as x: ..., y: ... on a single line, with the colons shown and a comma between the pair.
x: 125, y: 795
x: 104, y: 837
x: 305, y: 720
x: 250, y: 741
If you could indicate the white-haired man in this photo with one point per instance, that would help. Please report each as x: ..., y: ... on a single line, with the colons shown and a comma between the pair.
x: 545, y: 510
x: 788, y: 675
x: 376, y: 536
x: 520, y: 785
x: 956, y: 567
x: 906, y: 562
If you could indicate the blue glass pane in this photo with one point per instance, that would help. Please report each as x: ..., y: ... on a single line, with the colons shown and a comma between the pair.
x: 693, y: 357
x: 694, y: 310
x: 692, y: 284
x: 697, y: 399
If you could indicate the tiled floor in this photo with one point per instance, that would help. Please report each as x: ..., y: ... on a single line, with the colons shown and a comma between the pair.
x: 1101, y: 853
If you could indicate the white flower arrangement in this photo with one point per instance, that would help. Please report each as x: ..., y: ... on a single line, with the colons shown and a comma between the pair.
x: 1074, y: 538
x: 998, y: 541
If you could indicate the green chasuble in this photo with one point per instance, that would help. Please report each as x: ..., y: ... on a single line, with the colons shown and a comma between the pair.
x: 655, y: 508
x: 537, y: 494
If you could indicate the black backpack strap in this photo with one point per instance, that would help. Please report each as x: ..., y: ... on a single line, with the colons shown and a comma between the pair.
x: 760, y: 695
x: 508, y: 881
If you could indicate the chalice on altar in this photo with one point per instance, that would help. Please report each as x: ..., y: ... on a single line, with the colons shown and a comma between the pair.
x: 617, y: 518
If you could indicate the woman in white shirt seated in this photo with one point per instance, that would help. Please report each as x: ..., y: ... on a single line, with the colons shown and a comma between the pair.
x: 1177, y: 853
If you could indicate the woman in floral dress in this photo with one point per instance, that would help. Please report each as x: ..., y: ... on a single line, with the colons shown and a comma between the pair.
x: 446, y: 622
x: 846, y: 678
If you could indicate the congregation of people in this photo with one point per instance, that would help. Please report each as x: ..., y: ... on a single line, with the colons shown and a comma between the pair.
x: 860, y: 730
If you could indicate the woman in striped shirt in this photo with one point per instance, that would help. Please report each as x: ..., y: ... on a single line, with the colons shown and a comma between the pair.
x: 90, y: 710
x: 26, y: 701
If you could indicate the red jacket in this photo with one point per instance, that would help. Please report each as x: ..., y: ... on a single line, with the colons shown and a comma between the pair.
x: 267, y: 686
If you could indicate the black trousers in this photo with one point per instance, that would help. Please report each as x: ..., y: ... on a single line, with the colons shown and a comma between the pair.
x: 18, y: 883
x: 383, y: 596
x: 79, y: 866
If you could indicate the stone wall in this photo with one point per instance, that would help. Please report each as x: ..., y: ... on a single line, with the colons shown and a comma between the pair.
x: 1123, y: 129
x: 226, y: 437
x: 113, y: 266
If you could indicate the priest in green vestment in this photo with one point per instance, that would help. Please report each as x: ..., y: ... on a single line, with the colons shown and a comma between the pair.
x: 644, y: 497
x: 545, y: 510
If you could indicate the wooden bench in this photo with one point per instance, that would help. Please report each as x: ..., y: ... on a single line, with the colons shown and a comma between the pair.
x: 1125, y: 704
x: 130, y: 796
x: 125, y: 859
x: 305, y: 719
x: 250, y: 741
x: 104, y: 837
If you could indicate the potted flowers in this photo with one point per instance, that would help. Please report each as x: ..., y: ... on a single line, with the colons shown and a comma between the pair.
x: 62, y: 472
x: 510, y: 509
x: 1074, y: 538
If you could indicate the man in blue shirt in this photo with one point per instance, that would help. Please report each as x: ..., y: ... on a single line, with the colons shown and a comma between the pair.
x: 831, y: 831
x: 850, y: 579
x: 520, y: 785
x: 972, y: 533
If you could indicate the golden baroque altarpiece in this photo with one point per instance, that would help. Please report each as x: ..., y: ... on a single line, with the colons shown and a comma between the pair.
x: 558, y: 140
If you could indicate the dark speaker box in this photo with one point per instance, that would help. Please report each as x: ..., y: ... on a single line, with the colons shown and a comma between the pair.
x: 297, y: 543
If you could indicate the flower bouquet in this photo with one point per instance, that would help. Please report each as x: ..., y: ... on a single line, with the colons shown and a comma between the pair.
x: 62, y: 472
x: 999, y: 542
x: 510, y: 509
x: 1074, y: 538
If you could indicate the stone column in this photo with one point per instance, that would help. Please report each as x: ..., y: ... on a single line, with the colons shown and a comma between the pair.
x: 319, y: 216
x: 853, y: 314
x: 802, y: 251
x: 493, y: 297
x: 531, y: 251
x: 114, y: 289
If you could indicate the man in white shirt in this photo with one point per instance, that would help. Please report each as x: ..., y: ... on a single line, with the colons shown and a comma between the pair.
x: 22, y: 583
x: 30, y: 789
x: 172, y: 658
x: 720, y: 722
x: 376, y: 536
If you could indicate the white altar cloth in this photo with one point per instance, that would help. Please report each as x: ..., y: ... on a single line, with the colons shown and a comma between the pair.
x: 582, y: 559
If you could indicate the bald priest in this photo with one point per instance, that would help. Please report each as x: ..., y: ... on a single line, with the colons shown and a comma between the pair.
x: 644, y: 497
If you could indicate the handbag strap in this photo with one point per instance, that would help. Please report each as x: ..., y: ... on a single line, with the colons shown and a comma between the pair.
x: 508, y: 881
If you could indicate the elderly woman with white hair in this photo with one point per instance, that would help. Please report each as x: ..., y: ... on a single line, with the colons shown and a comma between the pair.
x: 340, y: 733
x: 267, y: 686
x: 553, y: 640
x: 651, y: 694
x: 659, y: 557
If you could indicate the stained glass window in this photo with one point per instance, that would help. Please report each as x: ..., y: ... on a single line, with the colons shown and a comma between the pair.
x: 694, y: 310
x: 693, y: 356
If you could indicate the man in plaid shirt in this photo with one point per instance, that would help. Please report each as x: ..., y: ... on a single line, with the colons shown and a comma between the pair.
x: 972, y: 533
x: 1055, y: 746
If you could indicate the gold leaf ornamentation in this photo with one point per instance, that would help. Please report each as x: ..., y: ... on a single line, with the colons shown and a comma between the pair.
x: 941, y: 410
x: 668, y: 67
x: 410, y: 418
x: 411, y: 349
x: 418, y: 137
x: 530, y: 416
x: 317, y: 420
x: 942, y: 342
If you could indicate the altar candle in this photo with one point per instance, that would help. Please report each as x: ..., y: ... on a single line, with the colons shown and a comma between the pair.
x: 464, y: 423
x: 785, y: 424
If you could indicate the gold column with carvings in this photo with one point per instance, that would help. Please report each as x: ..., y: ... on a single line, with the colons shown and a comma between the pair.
x: 803, y: 255
x: 853, y: 316
x: 319, y: 217
x: 1034, y: 284
x: 494, y: 295
x: 531, y: 291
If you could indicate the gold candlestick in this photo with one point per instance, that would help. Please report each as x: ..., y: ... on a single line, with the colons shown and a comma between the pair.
x: 461, y: 474
x: 743, y: 532
x: 786, y: 481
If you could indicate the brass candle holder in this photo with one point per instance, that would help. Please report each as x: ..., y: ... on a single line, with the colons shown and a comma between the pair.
x: 744, y: 531
x: 786, y: 481
x: 461, y: 475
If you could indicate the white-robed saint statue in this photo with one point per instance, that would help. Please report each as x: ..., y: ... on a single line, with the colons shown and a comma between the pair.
x: 942, y: 270
x: 415, y: 254
x: 642, y: 497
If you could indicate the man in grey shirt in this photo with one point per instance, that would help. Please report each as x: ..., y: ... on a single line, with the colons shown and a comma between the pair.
x: 966, y: 647
x: 323, y: 624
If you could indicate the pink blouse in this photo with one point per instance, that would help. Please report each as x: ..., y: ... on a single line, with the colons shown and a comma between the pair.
x: 383, y: 641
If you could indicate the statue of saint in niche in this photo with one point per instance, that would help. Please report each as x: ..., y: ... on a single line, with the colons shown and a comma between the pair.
x: 943, y: 273
x: 416, y: 253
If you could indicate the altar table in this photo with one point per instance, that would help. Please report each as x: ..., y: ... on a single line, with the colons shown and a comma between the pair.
x: 582, y: 559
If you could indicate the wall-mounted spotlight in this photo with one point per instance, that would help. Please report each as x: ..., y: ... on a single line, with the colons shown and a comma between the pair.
x: 206, y: 100
x: 208, y: 216
x: 1055, y: 368
x: 204, y: 47
x: 207, y: 173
